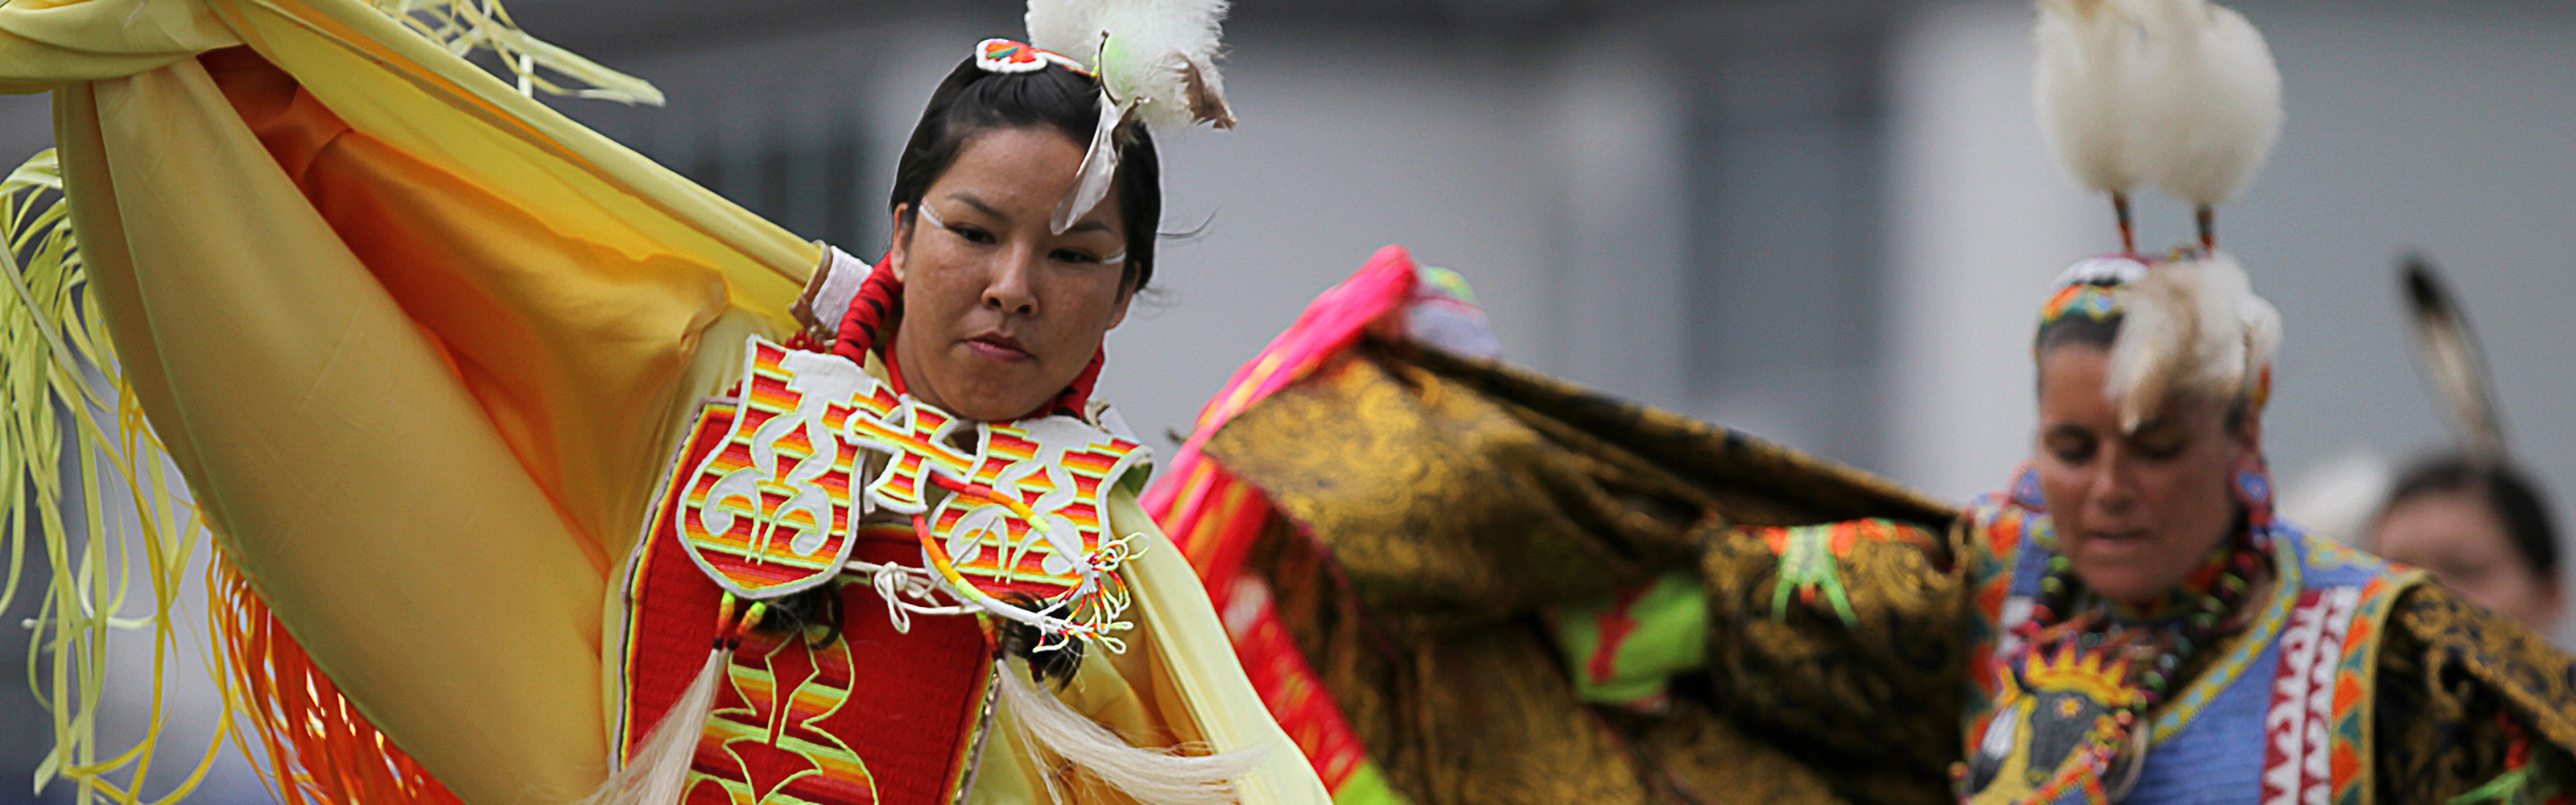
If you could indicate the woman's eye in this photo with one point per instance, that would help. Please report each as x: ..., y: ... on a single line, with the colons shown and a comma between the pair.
x: 2071, y: 451
x: 2159, y: 444
x: 2159, y: 451
x: 972, y: 234
x: 1075, y: 256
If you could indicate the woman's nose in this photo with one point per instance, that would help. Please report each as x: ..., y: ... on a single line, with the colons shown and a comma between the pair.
x: 2111, y: 488
x: 1009, y: 290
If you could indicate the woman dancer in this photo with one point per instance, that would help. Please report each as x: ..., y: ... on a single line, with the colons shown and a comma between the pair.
x: 479, y: 371
x: 2126, y: 623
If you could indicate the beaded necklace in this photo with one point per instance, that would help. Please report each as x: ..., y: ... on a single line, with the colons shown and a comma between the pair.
x: 2152, y: 642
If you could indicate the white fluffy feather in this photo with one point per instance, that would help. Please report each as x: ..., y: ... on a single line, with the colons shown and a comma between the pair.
x: 2083, y: 84
x: 659, y: 767
x: 2209, y: 99
x: 1152, y: 776
x: 1157, y: 56
x: 2191, y: 326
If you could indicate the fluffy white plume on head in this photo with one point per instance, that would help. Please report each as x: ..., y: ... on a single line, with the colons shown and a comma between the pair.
x: 2084, y: 84
x: 2209, y: 96
x: 2191, y: 326
x: 1157, y: 56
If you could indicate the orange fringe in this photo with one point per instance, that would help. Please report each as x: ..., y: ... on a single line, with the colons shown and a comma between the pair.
x: 321, y: 751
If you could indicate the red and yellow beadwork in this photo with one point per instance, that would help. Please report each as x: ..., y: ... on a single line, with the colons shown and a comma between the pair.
x: 770, y: 510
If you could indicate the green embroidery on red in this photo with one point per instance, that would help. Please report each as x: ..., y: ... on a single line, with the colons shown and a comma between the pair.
x: 1810, y: 564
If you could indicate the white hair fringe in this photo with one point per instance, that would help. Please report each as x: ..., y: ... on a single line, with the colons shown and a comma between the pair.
x: 660, y: 766
x: 2195, y: 326
x: 1152, y: 776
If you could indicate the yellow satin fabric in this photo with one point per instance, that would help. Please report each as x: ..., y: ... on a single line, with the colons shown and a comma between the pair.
x: 1191, y: 667
x: 1178, y: 683
x: 428, y: 472
x: 45, y: 44
x: 365, y: 492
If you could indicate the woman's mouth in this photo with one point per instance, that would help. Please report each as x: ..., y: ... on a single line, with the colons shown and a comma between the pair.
x: 2117, y: 543
x: 999, y: 347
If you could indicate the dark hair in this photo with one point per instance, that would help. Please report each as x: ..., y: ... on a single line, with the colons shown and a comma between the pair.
x: 973, y: 100
x: 2506, y: 491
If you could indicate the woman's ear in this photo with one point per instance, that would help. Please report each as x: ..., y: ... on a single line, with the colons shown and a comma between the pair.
x: 1118, y: 312
x: 2249, y: 430
x: 901, y: 249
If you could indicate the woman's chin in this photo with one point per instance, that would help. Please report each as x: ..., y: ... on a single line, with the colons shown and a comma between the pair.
x: 2122, y: 578
x: 990, y: 410
x: 992, y: 404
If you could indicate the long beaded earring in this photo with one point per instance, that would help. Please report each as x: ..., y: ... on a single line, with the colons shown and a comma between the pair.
x: 2253, y: 488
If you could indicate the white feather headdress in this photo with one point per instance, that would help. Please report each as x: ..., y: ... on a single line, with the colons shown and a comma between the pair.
x: 2084, y: 85
x: 2181, y: 93
x: 1156, y: 60
x: 1156, y: 57
x: 2211, y: 99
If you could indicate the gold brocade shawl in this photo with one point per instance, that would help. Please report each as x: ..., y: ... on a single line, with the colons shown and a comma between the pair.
x: 1452, y: 505
x: 1447, y: 507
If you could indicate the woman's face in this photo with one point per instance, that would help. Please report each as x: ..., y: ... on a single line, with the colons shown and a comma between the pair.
x: 2136, y: 513
x: 2456, y: 535
x: 999, y: 314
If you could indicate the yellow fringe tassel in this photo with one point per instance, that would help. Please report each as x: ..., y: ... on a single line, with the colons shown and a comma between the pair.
x: 73, y: 439
x: 59, y: 386
x: 463, y: 26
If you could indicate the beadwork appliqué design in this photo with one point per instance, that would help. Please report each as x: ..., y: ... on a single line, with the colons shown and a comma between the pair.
x: 769, y: 511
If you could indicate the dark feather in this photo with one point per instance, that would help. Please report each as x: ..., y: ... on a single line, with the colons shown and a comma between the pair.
x: 2451, y: 359
x: 1207, y: 102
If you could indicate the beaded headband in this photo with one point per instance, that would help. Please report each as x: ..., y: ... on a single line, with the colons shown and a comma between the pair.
x: 1011, y: 56
x: 2093, y: 289
x: 2208, y: 289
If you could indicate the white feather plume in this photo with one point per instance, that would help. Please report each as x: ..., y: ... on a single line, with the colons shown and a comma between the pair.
x: 2083, y: 84
x: 657, y: 771
x: 1156, y: 776
x: 2209, y: 99
x: 1099, y: 167
x: 2192, y: 326
x: 1157, y: 56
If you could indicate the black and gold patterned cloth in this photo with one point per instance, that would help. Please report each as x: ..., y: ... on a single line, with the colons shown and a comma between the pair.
x: 1445, y: 511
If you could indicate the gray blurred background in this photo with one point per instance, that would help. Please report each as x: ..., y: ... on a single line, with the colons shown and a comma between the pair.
x: 1824, y: 222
